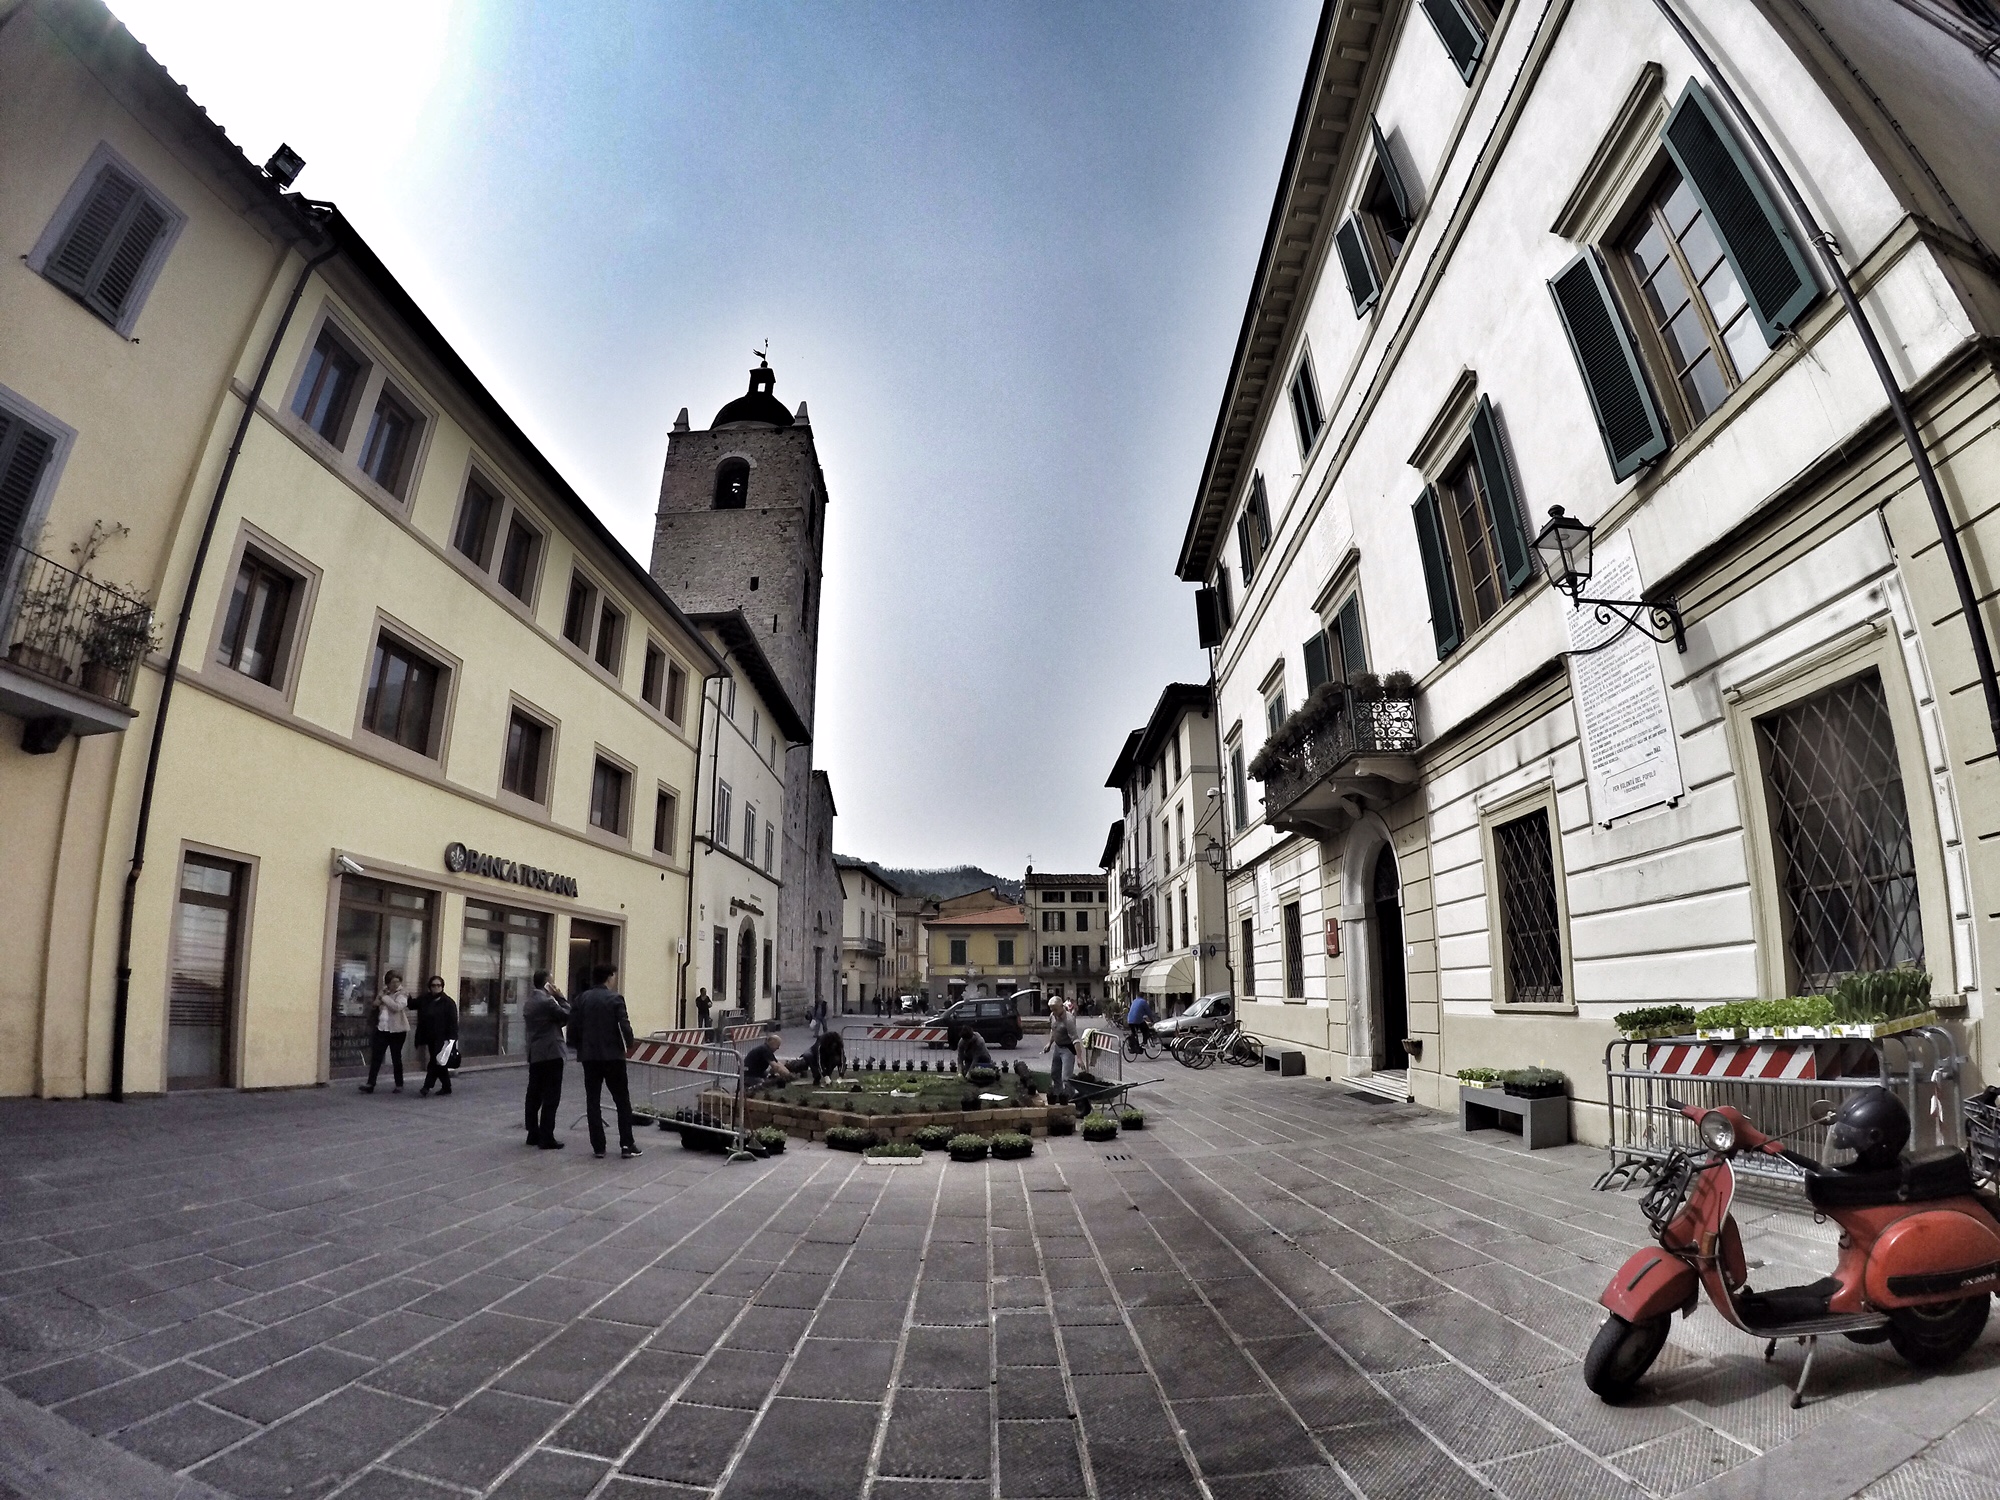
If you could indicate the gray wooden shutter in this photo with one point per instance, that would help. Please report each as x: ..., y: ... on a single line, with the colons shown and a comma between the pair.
x: 1463, y: 37
x: 1357, y: 265
x: 1244, y: 547
x: 1391, y: 177
x: 1318, y: 669
x: 1207, y: 618
x: 1775, y: 273
x: 128, y: 257
x: 1628, y: 418
x: 1353, y: 655
x: 24, y: 453
x: 91, y: 230
x: 1437, y: 573
x: 1517, y: 564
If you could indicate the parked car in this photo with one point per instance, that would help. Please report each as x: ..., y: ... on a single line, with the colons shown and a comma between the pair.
x: 995, y: 1020
x: 909, y: 1005
x: 1206, y: 1014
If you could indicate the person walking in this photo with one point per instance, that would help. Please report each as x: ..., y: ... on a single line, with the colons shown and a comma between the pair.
x: 601, y: 1031
x: 543, y: 1014
x: 1061, y: 1048
x: 437, y: 1034
x: 392, y: 1024
x: 702, y: 1006
x: 818, y: 1018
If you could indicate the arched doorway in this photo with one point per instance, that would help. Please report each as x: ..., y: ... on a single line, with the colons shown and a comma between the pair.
x: 746, y: 968
x: 1392, y: 1001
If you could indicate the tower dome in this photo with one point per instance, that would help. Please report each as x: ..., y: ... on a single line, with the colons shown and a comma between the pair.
x: 756, y: 407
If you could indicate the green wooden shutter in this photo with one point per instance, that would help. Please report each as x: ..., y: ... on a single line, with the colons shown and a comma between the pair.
x: 1243, y: 548
x: 1517, y: 563
x: 1770, y: 263
x: 1628, y: 418
x: 1357, y: 265
x: 1207, y: 618
x: 1353, y: 655
x: 1391, y: 177
x: 24, y: 454
x: 1437, y: 573
x: 1318, y: 669
x: 1463, y: 37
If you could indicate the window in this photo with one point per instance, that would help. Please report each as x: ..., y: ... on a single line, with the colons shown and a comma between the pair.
x: 1274, y: 711
x: 404, y: 692
x: 1081, y: 921
x: 1180, y: 835
x: 578, y: 612
x: 727, y: 694
x: 1531, y: 938
x: 1084, y: 898
x: 1006, y: 950
x: 756, y: 729
x: 1079, y: 958
x: 1335, y: 654
x: 767, y: 967
x: 1370, y: 240
x: 1249, y: 956
x: 1475, y: 552
x: 653, y: 680
x: 607, y: 796
x: 254, y: 633
x: 610, y: 637
x: 719, y: 965
x: 770, y: 848
x: 1187, y: 931
x: 478, y: 520
x: 1103, y: 955
x: 1166, y: 838
x: 666, y: 814
x: 1841, y: 833
x: 1052, y: 955
x: 524, y: 769
x: 1253, y: 529
x: 1239, y: 787
x: 1052, y: 921
x: 391, y: 441
x: 720, y: 836
x: 749, y: 833
x: 1174, y: 754
x: 1295, y: 953
x: 958, y: 951
x: 332, y: 377
x: 1306, y: 415
x: 112, y: 245
x: 517, y: 559
x: 1460, y: 28
x: 732, y: 484
x: 25, y: 452
x: 1224, y: 601
x: 675, y: 707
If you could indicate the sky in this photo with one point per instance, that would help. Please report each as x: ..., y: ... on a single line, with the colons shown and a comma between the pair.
x: 1001, y: 250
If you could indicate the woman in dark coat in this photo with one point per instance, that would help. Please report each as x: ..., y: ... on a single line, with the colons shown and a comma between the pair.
x: 437, y: 1024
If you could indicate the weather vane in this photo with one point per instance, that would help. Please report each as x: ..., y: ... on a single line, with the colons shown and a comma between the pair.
x: 763, y: 354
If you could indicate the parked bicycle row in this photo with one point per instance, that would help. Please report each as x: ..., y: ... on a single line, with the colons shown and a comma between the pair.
x: 1196, y: 1038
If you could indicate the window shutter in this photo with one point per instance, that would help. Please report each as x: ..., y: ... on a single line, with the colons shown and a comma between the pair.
x: 1463, y: 37
x: 1353, y: 655
x: 1770, y: 263
x: 114, y: 285
x: 1437, y: 573
x: 1207, y: 618
x: 1225, y: 606
x: 91, y: 230
x: 24, y: 453
x: 1627, y: 417
x: 1243, y: 547
x: 1517, y: 564
x: 1260, y: 507
x: 1318, y: 670
x: 1356, y: 265
x: 1390, y: 175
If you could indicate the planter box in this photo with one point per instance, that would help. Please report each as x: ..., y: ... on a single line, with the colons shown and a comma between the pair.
x: 1544, y: 1122
x: 1723, y: 1034
x: 1535, y: 1091
x: 1887, y: 1028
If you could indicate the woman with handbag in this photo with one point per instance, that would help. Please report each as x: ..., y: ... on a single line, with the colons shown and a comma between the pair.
x: 389, y: 1023
x: 437, y: 1034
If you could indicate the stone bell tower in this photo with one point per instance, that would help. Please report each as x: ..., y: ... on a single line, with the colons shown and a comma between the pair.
x: 741, y: 525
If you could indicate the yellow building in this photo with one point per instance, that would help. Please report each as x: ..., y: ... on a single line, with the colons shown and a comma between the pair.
x: 429, y: 714
x: 978, y: 950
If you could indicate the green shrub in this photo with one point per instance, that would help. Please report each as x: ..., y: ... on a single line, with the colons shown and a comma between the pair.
x: 903, y: 1149
x: 850, y: 1138
x: 967, y: 1147
x: 1131, y: 1119
x: 1533, y: 1078
x: 1478, y: 1075
x: 1062, y: 1122
x: 1011, y: 1145
x: 770, y: 1138
x: 1797, y: 1010
x: 1654, y: 1017
x: 983, y: 1075
x: 1098, y: 1126
x: 933, y: 1137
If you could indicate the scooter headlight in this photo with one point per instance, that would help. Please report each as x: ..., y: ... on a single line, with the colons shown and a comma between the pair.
x: 1717, y: 1133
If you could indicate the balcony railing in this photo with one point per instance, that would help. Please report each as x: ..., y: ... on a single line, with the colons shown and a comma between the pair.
x: 1361, y: 751
x: 73, y: 630
x: 1129, y: 883
x: 867, y: 947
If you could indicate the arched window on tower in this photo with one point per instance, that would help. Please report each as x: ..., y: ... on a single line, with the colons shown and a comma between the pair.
x: 732, y: 484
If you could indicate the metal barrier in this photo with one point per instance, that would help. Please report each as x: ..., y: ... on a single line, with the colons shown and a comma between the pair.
x: 1774, y: 1083
x: 886, y: 1046
x: 693, y: 1086
x: 1097, y: 1049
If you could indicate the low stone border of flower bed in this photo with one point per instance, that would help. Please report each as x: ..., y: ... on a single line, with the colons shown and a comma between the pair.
x: 809, y: 1124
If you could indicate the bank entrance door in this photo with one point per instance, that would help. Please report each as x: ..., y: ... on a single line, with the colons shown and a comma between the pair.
x: 201, y: 1005
x: 590, y: 944
x: 496, y: 973
x: 381, y: 927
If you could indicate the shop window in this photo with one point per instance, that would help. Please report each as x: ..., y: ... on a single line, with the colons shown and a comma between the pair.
x: 380, y: 927
x: 391, y: 442
x: 524, y: 769
x: 256, y: 632
x: 201, y: 998
x: 610, y: 796
x: 1295, y: 952
x: 405, y: 696
x: 1528, y: 895
x: 497, y: 960
x: 326, y: 392
x: 666, y: 817
x: 111, y: 242
x: 1841, y: 831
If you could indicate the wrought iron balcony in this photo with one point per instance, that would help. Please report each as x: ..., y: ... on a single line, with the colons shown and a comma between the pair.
x: 1361, y: 755
x: 866, y: 946
x: 74, y: 645
x: 1130, y: 883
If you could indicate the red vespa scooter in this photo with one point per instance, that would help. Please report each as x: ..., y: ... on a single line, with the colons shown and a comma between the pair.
x: 1919, y: 1248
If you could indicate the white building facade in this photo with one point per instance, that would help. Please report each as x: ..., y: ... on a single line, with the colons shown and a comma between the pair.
x: 867, y: 939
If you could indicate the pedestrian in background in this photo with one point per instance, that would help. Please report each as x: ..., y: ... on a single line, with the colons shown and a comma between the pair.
x: 601, y: 1031
x: 818, y: 1021
x: 1061, y: 1049
x: 391, y: 1009
x: 544, y: 1014
x: 702, y: 1006
x: 437, y: 1034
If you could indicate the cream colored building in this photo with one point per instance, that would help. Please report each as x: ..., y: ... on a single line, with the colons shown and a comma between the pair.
x: 429, y: 714
x: 867, y: 938
x: 977, y: 944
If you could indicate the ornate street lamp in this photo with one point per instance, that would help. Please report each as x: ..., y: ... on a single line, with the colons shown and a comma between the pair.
x: 1564, y: 545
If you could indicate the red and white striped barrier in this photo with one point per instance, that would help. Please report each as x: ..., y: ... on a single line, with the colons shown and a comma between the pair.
x: 669, y: 1052
x: 1801, y: 1061
x: 932, y: 1036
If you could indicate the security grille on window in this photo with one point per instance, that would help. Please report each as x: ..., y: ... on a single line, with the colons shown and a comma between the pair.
x: 1295, y: 953
x: 1842, y: 831
x: 1249, y: 956
x: 102, y: 256
x: 1530, y: 923
x: 1469, y: 535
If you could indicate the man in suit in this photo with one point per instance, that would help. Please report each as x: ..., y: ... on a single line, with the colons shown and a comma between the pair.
x: 543, y: 1014
x: 601, y: 1032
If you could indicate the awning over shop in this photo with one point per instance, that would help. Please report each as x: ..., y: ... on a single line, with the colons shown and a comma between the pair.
x: 1170, y: 976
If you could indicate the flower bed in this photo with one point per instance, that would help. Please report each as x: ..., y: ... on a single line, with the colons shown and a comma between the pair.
x: 897, y: 1107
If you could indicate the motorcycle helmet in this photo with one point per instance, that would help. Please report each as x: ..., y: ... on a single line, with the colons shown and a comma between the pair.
x: 1868, y: 1132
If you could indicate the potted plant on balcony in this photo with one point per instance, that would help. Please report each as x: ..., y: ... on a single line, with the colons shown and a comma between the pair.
x: 38, y: 623
x: 118, y: 632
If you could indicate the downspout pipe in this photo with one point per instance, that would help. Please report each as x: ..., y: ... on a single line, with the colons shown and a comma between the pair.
x: 1968, y: 598
x: 121, y: 1007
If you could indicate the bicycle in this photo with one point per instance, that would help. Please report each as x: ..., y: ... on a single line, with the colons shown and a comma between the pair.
x: 1142, y: 1041
x: 1231, y: 1043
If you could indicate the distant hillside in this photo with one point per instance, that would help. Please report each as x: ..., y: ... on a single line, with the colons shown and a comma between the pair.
x: 942, y: 884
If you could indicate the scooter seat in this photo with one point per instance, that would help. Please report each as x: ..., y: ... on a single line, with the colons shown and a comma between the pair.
x: 1947, y: 1175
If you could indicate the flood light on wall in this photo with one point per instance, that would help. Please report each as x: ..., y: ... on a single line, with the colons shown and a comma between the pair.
x: 284, y: 166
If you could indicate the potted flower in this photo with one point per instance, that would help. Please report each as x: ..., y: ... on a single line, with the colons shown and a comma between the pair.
x: 1131, y: 1119
x: 38, y: 626
x: 1011, y: 1145
x: 1482, y: 1078
x: 967, y: 1147
x: 771, y: 1139
x: 1098, y: 1126
x: 933, y: 1137
x: 118, y: 632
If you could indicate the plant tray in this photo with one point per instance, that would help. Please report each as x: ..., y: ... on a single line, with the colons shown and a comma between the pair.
x: 1872, y: 1029
x: 697, y: 1137
x: 1725, y: 1034
x: 892, y: 1161
x: 1536, y: 1091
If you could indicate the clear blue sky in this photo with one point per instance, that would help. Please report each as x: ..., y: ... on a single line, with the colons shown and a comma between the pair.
x: 1002, y: 250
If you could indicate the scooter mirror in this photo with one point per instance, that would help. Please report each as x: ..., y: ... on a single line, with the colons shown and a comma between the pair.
x: 1822, y: 1111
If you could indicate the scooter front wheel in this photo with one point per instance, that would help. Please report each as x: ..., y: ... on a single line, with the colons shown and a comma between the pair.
x: 1622, y: 1353
x: 1936, y: 1333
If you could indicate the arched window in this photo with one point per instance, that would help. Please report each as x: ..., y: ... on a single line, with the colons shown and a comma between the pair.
x: 732, y: 484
